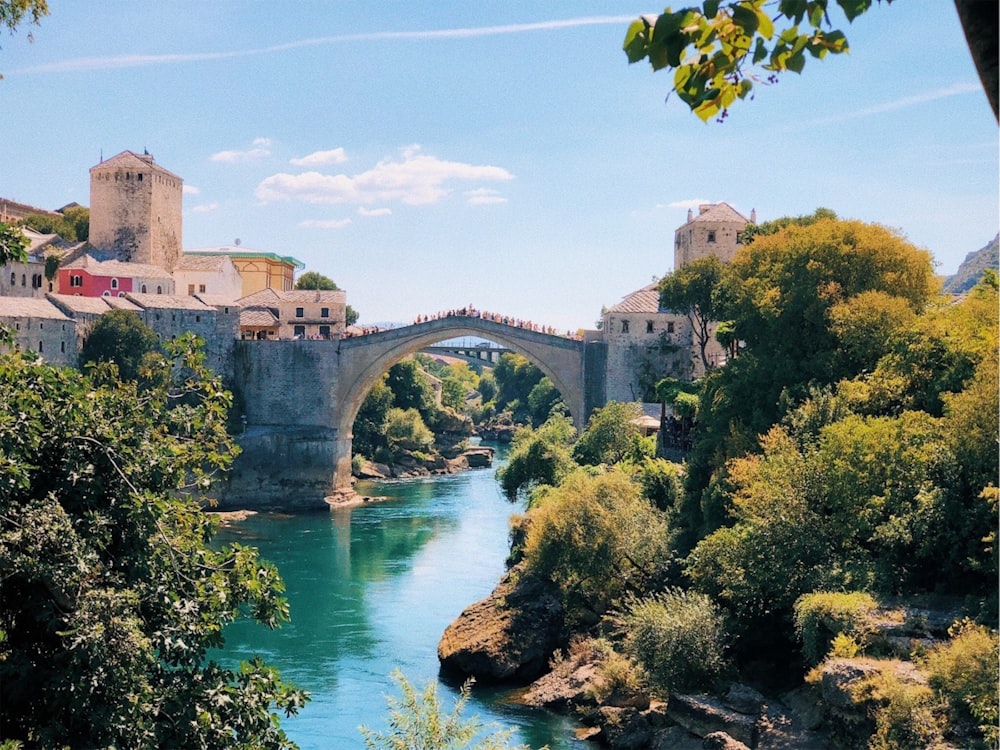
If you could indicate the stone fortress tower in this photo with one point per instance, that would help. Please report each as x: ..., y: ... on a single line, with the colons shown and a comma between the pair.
x: 714, y: 231
x: 135, y: 210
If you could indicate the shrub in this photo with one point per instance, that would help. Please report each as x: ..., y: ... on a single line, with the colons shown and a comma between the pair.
x: 678, y: 637
x: 964, y: 672
x: 405, y: 430
x: 906, y: 714
x: 822, y: 616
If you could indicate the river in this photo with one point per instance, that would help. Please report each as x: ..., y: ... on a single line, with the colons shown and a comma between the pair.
x: 371, y: 589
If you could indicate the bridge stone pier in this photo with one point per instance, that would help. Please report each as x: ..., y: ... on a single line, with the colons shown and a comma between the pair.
x: 300, y: 400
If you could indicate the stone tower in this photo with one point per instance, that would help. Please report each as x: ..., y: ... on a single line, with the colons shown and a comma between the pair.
x: 135, y: 210
x: 714, y: 231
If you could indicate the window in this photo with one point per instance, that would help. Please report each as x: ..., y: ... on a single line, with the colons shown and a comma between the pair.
x: 324, y: 312
x: 300, y: 312
x: 62, y: 347
x: 190, y: 289
x: 299, y: 330
x: 121, y: 294
x: 143, y: 289
x: 114, y: 283
x: 624, y: 326
x: 324, y: 331
x: 24, y: 280
x: 159, y: 289
x: 201, y: 288
x: 106, y: 293
x: 76, y: 280
x: 711, y: 236
x: 649, y: 326
x: 13, y: 279
x: 197, y: 318
x: 39, y: 347
x: 670, y: 327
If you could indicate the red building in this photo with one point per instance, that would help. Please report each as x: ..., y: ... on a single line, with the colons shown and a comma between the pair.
x: 88, y: 277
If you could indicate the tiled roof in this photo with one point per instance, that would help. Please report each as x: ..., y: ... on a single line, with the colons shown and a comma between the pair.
x: 314, y: 295
x: 646, y: 300
x: 131, y: 160
x: 30, y: 307
x: 263, y: 297
x: 202, y: 262
x: 216, y: 300
x: 121, y: 303
x: 717, y: 212
x: 86, y: 305
x: 118, y: 268
x: 257, y: 317
x: 167, y: 301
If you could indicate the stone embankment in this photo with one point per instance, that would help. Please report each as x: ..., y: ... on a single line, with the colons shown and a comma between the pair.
x: 514, y: 636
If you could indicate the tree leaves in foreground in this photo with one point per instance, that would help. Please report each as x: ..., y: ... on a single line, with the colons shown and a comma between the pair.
x: 113, y: 592
x: 417, y: 721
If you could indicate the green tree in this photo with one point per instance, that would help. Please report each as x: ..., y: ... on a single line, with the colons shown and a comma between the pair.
x: 316, y: 280
x: 369, y: 425
x: 120, y: 337
x: 73, y: 226
x: 13, y: 245
x: 114, y: 591
x: 411, y: 388
x: 417, y: 721
x: 542, y: 399
x: 611, y: 435
x: 597, y: 538
x: 691, y: 290
x: 719, y: 51
x: 538, y: 456
x: 405, y: 430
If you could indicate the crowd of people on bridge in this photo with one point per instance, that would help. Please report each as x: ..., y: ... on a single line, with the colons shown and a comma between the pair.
x: 472, y: 312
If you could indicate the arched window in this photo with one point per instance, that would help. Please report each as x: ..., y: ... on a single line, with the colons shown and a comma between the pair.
x: 106, y: 293
x: 114, y: 283
x: 13, y: 279
x: 159, y: 289
x: 24, y: 280
x: 121, y: 294
x: 143, y: 289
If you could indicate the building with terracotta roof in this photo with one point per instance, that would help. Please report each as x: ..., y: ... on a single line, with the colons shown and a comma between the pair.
x: 714, y: 231
x: 135, y: 210
x: 41, y: 327
x: 208, y: 274
x: 258, y: 269
x: 301, y: 314
x: 87, y: 276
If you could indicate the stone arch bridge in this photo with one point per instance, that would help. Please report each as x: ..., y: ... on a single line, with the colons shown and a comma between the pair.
x: 299, y: 400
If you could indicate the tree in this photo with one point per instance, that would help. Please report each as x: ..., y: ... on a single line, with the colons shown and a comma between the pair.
x: 316, y: 280
x: 120, y: 337
x: 113, y: 588
x: 418, y: 721
x: 691, y: 290
x: 721, y: 50
x: 610, y: 436
x: 14, y: 12
x: 13, y: 245
x: 73, y: 226
x: 538, y: 456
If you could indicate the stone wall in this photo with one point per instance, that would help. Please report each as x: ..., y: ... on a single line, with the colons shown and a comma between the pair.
x: 644, y: 348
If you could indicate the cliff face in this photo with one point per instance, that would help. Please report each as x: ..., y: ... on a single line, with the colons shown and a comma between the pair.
x: 972, y: 268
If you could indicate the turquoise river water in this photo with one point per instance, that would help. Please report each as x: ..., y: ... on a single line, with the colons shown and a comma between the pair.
x: 371, y: 589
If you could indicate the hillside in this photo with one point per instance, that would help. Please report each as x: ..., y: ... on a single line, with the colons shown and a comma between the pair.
x: 972, y: 268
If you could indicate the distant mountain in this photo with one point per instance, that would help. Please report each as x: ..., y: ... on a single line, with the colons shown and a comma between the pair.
x: 972, y: 268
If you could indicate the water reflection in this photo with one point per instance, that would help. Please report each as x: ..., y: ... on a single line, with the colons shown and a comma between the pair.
x: 371, y: 589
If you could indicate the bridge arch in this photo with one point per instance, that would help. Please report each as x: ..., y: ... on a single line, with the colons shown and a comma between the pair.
x: 364, y: 359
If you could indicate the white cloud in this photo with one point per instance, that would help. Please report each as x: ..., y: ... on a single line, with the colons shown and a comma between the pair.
x: 261, y: 149
x: 135, y: 61
x: 205, y: 208
x: 324, y: 223
x: 484, y: 197
x: 362, y: 211
x: 956, y: 89
x: 320, y: 158
x: 416, y: 179
x: 190, y: 190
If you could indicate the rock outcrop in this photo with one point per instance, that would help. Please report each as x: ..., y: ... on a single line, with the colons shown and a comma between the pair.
x: 508, y: 636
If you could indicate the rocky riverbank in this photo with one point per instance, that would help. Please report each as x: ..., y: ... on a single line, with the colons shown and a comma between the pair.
x: 514, y: 636
x: 409, y: 464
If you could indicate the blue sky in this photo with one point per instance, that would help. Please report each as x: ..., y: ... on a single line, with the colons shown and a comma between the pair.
x: 430, y: 155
